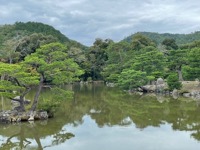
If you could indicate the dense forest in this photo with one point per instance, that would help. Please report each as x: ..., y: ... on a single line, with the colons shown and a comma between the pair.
x: 43, y: 55
x: 180, y: 39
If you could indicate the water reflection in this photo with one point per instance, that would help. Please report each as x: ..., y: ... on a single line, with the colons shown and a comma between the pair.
x: 29, y: 136
x: 109, y: 107
x: 99, y: 114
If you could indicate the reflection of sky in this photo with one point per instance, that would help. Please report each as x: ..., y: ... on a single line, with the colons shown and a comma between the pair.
x: 88, y: 136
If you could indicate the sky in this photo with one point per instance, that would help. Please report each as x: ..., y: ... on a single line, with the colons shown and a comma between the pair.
x: 86, y: 20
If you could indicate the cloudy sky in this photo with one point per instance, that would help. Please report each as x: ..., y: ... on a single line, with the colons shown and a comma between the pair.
x: 85, y: 20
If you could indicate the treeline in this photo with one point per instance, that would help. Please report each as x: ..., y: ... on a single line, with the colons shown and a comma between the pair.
x: 181, y: 39
x: 141, y: 61
x: 135, y: 61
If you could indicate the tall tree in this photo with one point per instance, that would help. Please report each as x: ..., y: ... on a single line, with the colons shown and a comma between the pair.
x: 170, y: 44
x: 117, y: 55
x: 97, y: 57
x: 8, y: 52
x: 14, y: 77
x: 193, y: 68
x: 29, y: 44
x: 176, y: 60
x: 52, y: 64
x: 140, y: 41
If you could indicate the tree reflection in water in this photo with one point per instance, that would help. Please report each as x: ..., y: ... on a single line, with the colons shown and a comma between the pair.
x: 107, y: 107
x: 25, y: 135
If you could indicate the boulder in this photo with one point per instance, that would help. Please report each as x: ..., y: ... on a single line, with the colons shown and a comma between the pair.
x: 159, y: 81
x: 186, y: 94
x: 160, y: 85
x: 175, y: 94
x: 14, y: 116
x: 148, y: 88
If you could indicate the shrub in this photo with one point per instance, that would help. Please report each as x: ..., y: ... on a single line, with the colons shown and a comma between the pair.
x: 173, y: 82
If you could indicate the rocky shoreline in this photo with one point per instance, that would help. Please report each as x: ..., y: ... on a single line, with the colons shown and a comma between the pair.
x: 10, y: 116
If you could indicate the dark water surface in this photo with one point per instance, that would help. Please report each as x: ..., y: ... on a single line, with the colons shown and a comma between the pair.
x: 102, y: 118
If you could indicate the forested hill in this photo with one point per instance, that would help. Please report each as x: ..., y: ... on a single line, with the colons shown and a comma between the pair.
x: 159, y: 37
x: 36, y: 27
x: 21, y: 29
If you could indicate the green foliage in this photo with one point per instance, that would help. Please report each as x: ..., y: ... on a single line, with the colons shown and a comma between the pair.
x: 39, y: 45
x: 170, y: 44
x: 53, y: 65
x: 192, y: 70
x: 28, y: 44
x: 58, y: 96
x: 27, y: 37
x: 136, y: 66
x: 176, y: 59
x: 159, y: 37
x: 140, y: 41
x: 173, y: 82
x: 14, y: 77
x: 191, y: 45
x: 52, y: 61
x: 8, y: 51
x: 97, y: 58
x: 129, y: 79
x: 36, y: 27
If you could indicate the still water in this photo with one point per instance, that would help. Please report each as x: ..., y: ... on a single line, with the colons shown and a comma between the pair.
x: 102, y: 118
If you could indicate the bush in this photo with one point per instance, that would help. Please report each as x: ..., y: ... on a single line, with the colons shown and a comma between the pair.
x: 173, y: 82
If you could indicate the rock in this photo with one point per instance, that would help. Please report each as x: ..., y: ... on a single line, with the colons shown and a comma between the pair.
x: 31, y: 116
x: 186, y: 94
x: 159, y: 81
x: 160, y: 85
x: 175, y: 94
x: 148, y: 88
x: 43, y: 115
x: 14, y: 116
x: 110, y: 84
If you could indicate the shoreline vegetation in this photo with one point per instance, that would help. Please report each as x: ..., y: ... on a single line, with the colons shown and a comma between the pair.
x: 36, y: 54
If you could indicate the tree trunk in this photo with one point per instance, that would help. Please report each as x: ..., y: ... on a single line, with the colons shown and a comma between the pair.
x: 22, y: 107
x: 36, y: 98
x: 180, y: 75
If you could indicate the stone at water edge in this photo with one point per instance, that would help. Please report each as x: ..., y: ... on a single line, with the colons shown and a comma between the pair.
x: 32, y: 115
x: 31, y: 118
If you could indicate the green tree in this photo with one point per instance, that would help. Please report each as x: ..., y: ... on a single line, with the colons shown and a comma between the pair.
x: 29, y: 44
x: 173, y: 82
x: 149, y: 61
x: 170, y: 44
x: 192, y: 70
x: 117, y: 55
x: 97, y: 58
x: 129, y: 79
x: 14, y: 77
x: 140, y: 41
x: 176, y: 60
x: 8, y: 52
x: 53, y: 65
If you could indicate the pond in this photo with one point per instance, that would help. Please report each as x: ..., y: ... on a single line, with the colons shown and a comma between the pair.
x: 103, y: 118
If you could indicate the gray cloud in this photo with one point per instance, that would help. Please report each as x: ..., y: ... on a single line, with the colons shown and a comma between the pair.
x: 85, y: 20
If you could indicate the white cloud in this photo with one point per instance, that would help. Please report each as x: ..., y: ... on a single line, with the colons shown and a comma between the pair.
x: 85, y: 20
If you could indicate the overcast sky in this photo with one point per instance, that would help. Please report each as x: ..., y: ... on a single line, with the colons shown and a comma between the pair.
x: 85, y: 20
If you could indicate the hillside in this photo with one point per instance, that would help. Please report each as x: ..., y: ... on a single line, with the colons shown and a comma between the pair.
x: 159, y: 37
x: 20, y: 30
